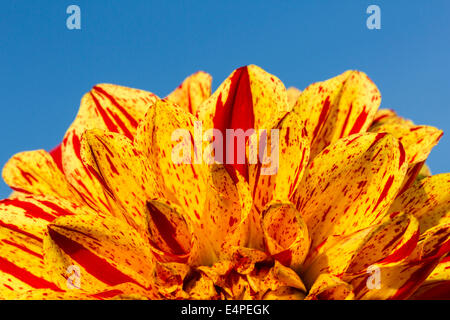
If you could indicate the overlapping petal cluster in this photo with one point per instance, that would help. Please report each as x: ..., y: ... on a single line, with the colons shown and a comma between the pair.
x: 351, y: 194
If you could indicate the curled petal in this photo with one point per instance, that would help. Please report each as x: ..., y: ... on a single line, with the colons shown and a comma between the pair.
x: 286, y: 234
x: 171, y: 234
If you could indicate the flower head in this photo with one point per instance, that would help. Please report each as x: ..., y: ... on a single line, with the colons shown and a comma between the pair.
x: 349, y: 213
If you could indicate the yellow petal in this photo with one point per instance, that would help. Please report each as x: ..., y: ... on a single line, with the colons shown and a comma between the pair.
x: 182, y: 180
x: 108, y: 107
x: 292, y: 95
x: 106, y: 250
x: 277, y: 176
x: 350, y: 185
x: 428, y: 200
x: 123, y: 173
x: 192, y: 92
x: 328, y: 287
x: 286, y: 234
x: 337, y: 108
x: 36, y: 172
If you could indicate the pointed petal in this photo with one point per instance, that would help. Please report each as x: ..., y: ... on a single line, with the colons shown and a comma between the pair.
x: 248, y: 99
x: 108, y: 107
x: 388, y: 116
x: 428, y: 200
x: 417, y: 140
x: 192, y: 92
x: 248, y: 94
x: 36, y: 172
x: 279, y: 171
x: 337, y: 108
x: 350, y: 185
x: 292, y: 95
x: 107, y: 251
x: 123, y: 173
x: 286, y: 234
x: 182, y: 180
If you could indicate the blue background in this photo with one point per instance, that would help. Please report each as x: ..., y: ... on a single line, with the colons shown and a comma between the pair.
x: 46, y: 68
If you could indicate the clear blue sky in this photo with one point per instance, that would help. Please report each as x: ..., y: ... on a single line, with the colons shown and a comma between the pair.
x: 45, y: 68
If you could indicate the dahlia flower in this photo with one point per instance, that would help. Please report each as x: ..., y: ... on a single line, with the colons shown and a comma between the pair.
x: 351, y: 212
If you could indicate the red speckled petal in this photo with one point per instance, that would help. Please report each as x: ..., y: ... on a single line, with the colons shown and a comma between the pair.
x: 248, y: 99
x: 36, y: 172
x: 350, y: 185
x: 108, y: 107
x: 173, y: 157
x: 277, y: 176
x: 124, y: 174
